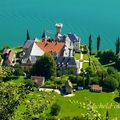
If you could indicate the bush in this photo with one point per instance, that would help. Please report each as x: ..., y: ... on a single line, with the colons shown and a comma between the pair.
x: 55, y: 109
x: 110, y: 83
x: 99, y: 53
x: 107, y: 56
x: 111, y: 70
x: 18, y: 70
x: 89, y: 71
x: 117, y: 64
x: 94, y: 81
x: 29, y: 84
x: 73, y: 78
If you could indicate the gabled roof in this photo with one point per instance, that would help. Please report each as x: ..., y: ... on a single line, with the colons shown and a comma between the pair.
x: 9, y: 55
x: 32, y: 53
x: 72, y: 37
x: 68, y: 84
x: 65, y: 61
x: 96, y: 87
x: 27, y: 44
x: 54, y: 47
x: 6, y: 51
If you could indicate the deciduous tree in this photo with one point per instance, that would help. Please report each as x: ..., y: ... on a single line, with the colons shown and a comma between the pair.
x: 44, y: 66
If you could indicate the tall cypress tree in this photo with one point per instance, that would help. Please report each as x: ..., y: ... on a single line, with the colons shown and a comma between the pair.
x: 90, y: 44
x: 117, y: 44
x: 28, y: 36
x: 98, y: 43
x: 89, y: 62
x: 107, y: 115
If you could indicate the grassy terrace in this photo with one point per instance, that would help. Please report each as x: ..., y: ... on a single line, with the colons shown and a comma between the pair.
x: 70, y: 106
x: 96, y: 62
x: 76, y: 105
x: 85, y: 65
x: 77, y: 56
x: 85, y: 57
x: 98, y: 65
x: 17, y: 49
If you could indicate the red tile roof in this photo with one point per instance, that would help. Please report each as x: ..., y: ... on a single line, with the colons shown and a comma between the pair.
x: 54, y: 47
x: 96, y: 88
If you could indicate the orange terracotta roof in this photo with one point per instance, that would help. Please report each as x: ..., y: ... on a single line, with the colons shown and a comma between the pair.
x: 54, y: 47
x: 96, y: 87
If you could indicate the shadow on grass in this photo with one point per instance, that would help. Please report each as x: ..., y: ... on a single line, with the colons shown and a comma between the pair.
x: 117, y: 99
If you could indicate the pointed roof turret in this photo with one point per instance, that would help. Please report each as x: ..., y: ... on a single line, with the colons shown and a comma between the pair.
x: 28, y: 36
x: 44, y: 35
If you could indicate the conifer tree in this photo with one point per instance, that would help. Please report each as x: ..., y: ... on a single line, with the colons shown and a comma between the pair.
x: 28, y: 36
x: 90, y: 44
x: 89, y: 62
x: 117, y: 44
x: 107, y: 115
x: 98, y: 43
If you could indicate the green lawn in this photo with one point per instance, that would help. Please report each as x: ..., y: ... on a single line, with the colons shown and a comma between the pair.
x: 85, y: 56
x: 76, y: 105
x: 70, y: 106
x: 99, y: 65
x: 18, y: 49
x: 85, y: 65
x: 17, y: 82
x: 77, y: 56
x: 73, y: 106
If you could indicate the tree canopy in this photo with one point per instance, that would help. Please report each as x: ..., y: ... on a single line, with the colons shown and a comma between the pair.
x: 44, y: 66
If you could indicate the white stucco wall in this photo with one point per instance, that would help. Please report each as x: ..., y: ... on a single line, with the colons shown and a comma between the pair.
x: 36, y: 51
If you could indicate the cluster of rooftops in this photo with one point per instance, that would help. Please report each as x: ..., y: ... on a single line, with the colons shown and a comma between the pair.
x: 62, y: 47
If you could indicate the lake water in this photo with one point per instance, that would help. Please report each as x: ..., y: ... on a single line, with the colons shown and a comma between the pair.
x: 78, y: 16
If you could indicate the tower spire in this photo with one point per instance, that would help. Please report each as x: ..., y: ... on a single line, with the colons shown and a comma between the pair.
x: 28, y: 36
x: 44, y: 36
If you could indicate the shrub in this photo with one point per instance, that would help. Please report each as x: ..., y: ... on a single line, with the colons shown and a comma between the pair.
x: 55, y: 109
x: 107, y: 56
x: 110, y: 83
x: 29, y: 84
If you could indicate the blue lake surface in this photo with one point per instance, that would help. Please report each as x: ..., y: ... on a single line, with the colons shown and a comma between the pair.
x: 82, y: 17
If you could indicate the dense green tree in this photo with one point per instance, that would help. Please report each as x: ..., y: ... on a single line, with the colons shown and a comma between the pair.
x: 18, y: 70
x: 5, y: 73
x: 107, y: 56
x: 117, y: 64
x: 89, y: 71
x: 90, y: 44
x: 44, y: 66
x: 28, y: 84
x: 10, y: 97
x: 110, y: 83
x: 55, y: 109
x: 98, y: 43
x: 117, y: 45
x: 111, y: 70
x: 76, y: 79
x: 94, y: 80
